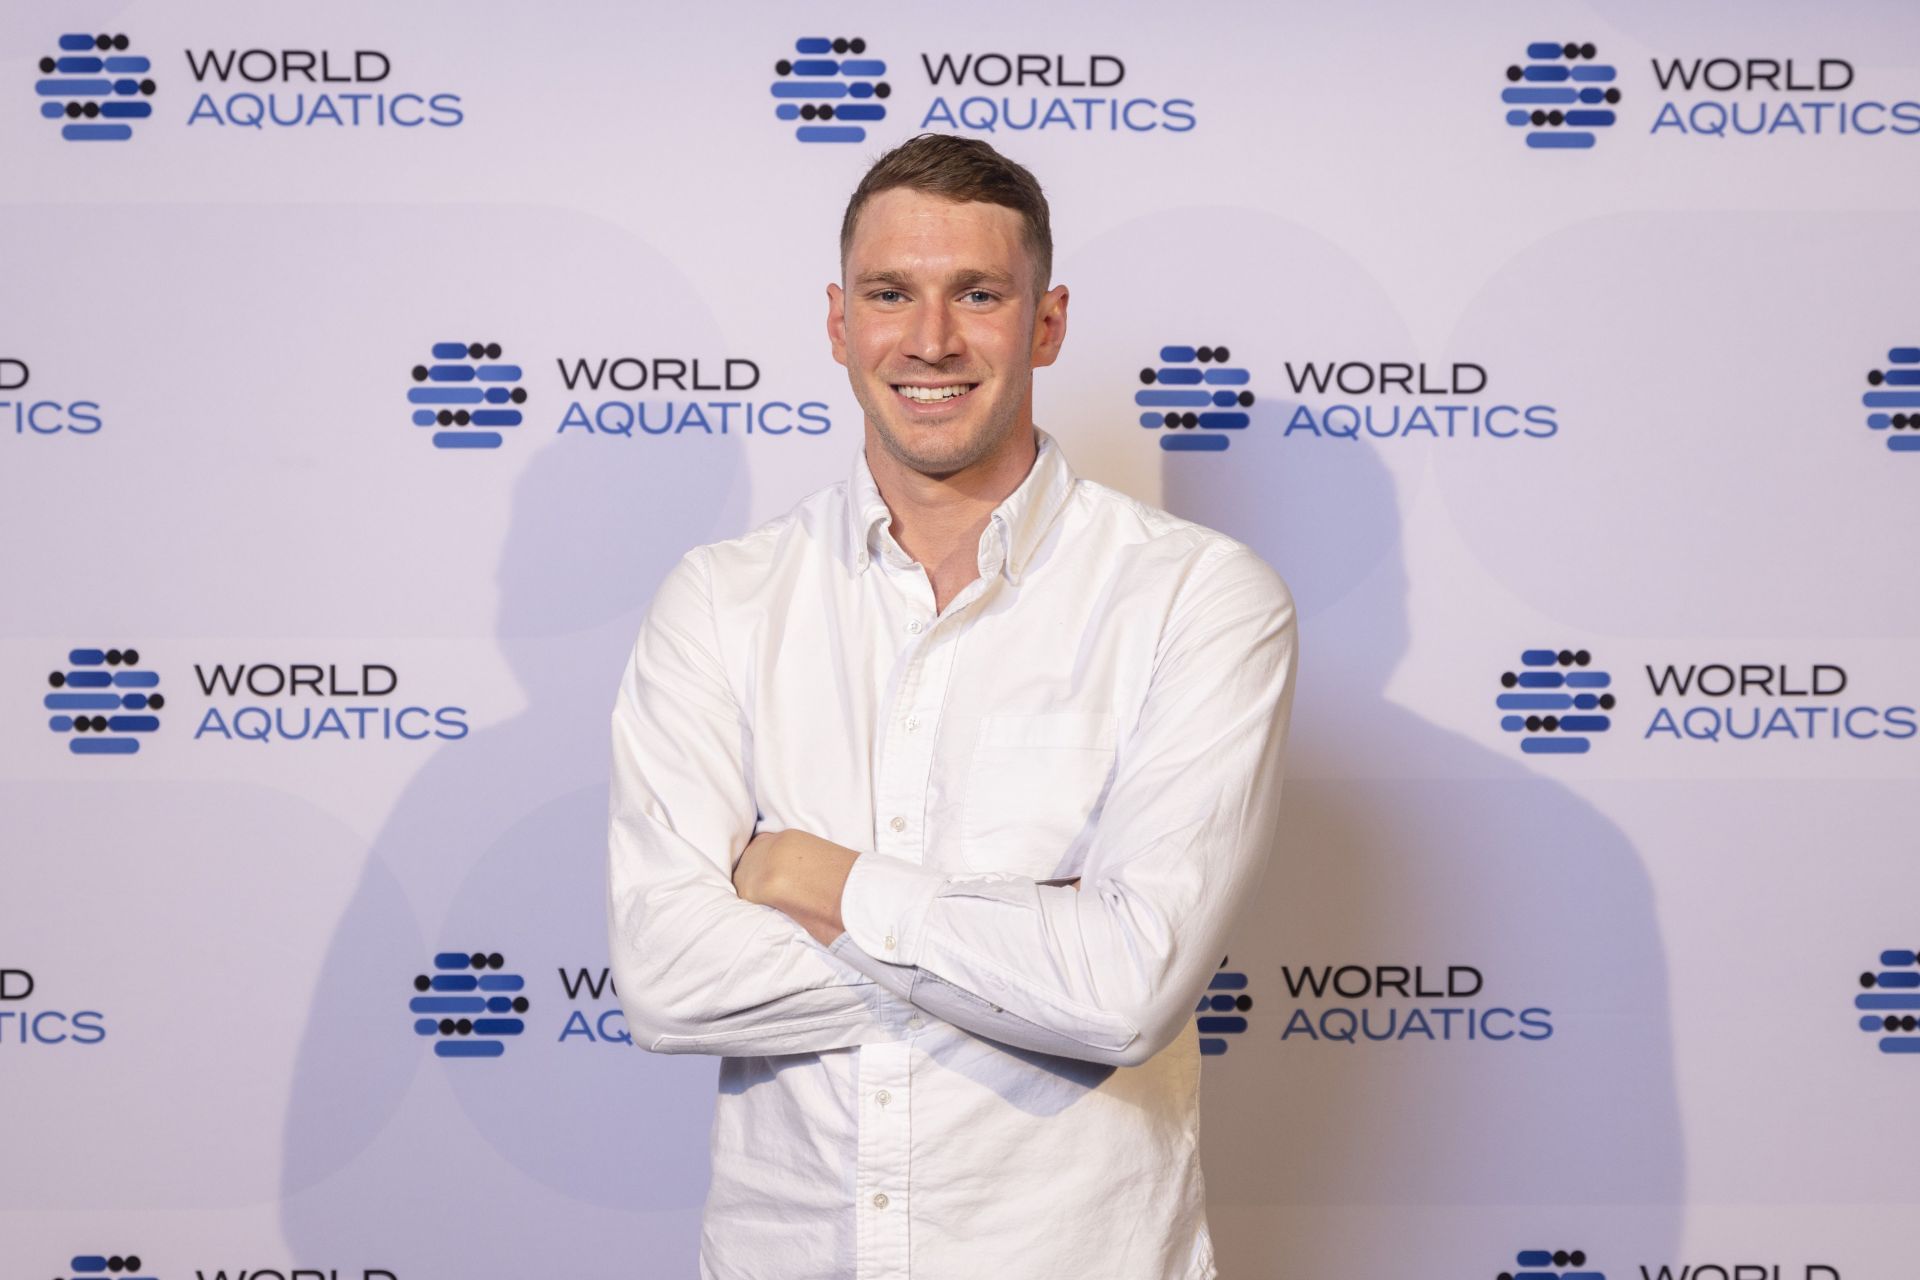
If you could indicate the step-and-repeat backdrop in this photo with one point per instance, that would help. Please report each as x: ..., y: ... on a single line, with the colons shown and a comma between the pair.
x: 363, y: 368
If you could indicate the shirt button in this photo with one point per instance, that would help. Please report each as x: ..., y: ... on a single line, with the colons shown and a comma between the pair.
x: 888, y: 942
x: 912, y: 723
x: 915, y: 1022
x: 879, y: 1199
x: 899, y: 823
x: 914, y: 626
x: 883, y: 1097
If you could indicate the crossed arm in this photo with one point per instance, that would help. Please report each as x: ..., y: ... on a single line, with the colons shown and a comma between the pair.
x: 729, y: 943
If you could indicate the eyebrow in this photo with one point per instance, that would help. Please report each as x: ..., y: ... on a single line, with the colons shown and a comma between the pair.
x: 967, y: 279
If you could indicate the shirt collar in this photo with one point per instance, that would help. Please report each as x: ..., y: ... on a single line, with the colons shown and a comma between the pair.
x: 1013, y: 530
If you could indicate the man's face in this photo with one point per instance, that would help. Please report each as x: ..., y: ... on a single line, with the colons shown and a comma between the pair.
x: 939, y: 327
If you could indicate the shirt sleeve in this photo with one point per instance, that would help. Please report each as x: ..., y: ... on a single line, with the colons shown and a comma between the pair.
x: 697, y: 969
x: 1110, y: 972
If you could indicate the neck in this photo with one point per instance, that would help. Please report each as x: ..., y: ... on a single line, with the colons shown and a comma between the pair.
x: 938, y: 520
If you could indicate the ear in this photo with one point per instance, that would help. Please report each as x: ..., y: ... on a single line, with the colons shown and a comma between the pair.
x: 837, y: 322
x: 1049, y: 326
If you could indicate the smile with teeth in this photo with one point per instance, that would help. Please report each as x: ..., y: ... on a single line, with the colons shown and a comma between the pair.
x: 931, y: 395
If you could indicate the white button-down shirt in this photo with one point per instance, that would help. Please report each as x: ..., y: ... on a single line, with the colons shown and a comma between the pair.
x: 987, y: 1075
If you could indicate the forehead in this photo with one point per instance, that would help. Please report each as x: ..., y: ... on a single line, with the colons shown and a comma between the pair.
x: 900, y: 229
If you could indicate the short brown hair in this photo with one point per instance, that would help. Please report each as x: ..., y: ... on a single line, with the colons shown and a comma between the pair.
x: 960, y: 169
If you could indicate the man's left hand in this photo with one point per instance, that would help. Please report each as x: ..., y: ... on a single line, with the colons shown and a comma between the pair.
x: 798, y: 874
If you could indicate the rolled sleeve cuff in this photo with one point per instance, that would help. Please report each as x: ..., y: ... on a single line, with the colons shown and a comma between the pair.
x: 884, y: 904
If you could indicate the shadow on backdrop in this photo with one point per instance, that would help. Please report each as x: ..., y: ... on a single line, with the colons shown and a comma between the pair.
x: 1485, y: 862
x: 499, y: 844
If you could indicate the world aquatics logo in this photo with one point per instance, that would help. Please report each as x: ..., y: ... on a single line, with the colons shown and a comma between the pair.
x: 832, y: 96
x: 1554, y: 702
x: 1557, y: 95
x: 1897, y: 388
x: 1222, y: 1010
x: 1193, y: 388
x: 468, y: 1005
x: 102, y: 703
x: 1889, y: 1000
x: 448, y: 396
x: 95, y: 87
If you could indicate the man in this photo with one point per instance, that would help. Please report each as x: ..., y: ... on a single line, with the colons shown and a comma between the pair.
x: 934, y: 799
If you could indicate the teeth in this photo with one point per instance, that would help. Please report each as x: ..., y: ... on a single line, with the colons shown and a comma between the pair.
x: 927, y: 395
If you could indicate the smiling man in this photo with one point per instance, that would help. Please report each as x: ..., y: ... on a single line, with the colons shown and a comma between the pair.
x: 935, y: 798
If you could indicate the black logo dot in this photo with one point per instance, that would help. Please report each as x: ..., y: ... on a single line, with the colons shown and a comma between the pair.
x: 1171, y: 419
x: 446, y: 1026
x: 1581, y: 657
x: 1539, y: 117
x: 47, y: 65
x: 1204, y: 355
x: 519, y: 396
x: 1564, y: 657
x: 1514, y: 73
x: 783, y: 68
x: 808, y: 111
x: 422, y: 982
x: 1243, y: 1003
x: 826, y: 111
x: 496, y: 960
x: 475, y: 350
x: 1149, y: 377
x: 419, y: 373
x: 56, y: 678
x: 1587, y: 50
x: 464, y: 1026
x: 478, y: 959
x: 1552, y: 723
x: 1570, y: 50
x: 857, y: 44
x: 1555, y: 117
x: 103, y: 42
x: 1578, y: 1257
x: 1560, y: 1258
x: 882, y: 90
x: 1533, y: 724
x: 1867, y: 980
x: 73, y: 110
x: 493, y: 351
x: 1889, y: 1023
x: 1189, y: 420
x: 1606, y: 701
x: 839, y: 46
x: 461, y: 418
x: 116, y: 1261
x: 1220, y: 354
x: 1613, y: 95
x: 519, y: 1004
x: 444, y: 417
x: 147, y: 87
x: 1246, y: 399
x: 1508, y: 679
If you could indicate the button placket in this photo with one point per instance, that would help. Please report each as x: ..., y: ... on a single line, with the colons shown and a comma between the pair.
x: 884, y: 1174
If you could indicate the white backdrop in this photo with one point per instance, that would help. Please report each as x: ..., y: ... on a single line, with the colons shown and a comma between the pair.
x: 207, y: 455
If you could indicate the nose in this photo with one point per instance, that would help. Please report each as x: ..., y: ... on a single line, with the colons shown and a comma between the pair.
x: 934, y: 335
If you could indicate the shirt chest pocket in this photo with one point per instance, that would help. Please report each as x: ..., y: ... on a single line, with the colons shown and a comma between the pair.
x: 1034, y: 787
